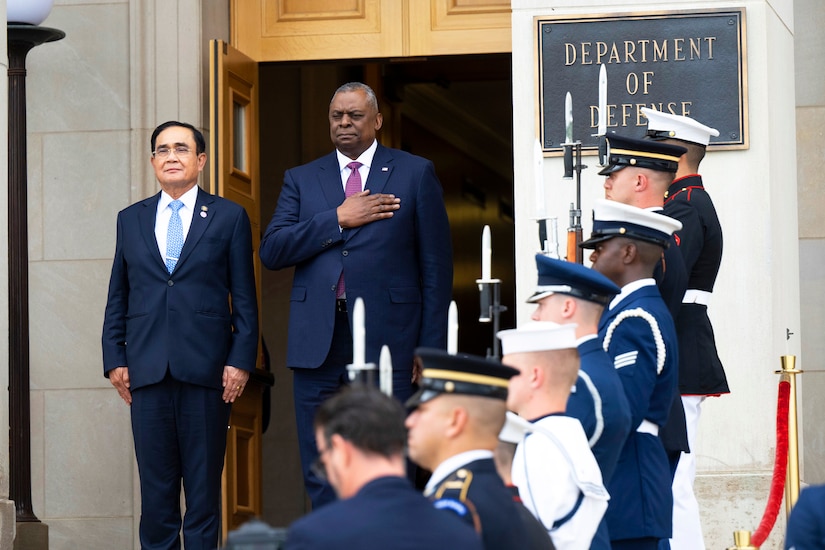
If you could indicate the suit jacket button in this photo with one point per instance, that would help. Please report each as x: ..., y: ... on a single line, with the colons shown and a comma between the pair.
x: 170, y: 282
x: 345, y: 253
x: 333, y: 287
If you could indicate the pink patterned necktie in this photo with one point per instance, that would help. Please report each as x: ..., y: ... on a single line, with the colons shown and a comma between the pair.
x: 353, y: 187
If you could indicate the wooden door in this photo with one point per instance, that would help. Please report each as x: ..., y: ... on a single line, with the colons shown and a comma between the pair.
x: 288, y: 30
x: 234, y: 174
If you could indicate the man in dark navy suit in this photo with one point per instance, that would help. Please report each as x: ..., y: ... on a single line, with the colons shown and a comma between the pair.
x: 361, y: 438
x: 363, y: 221
x: 180, y: 336
x: 638, y: 334
x: 457, y: 415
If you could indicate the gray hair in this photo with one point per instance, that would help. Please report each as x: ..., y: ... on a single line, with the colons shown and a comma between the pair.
x: 372, y: 101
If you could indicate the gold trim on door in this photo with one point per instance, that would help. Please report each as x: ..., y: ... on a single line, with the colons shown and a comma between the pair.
x: 234, y: 174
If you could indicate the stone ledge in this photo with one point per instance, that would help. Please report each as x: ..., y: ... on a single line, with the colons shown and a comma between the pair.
x: 32, y: 535
x: 7, y: 523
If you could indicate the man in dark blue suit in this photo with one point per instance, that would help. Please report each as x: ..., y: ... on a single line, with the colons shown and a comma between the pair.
x: 361, y: 437
x: 638, y: 334
x: 180, y: 336
x: 363, y: 221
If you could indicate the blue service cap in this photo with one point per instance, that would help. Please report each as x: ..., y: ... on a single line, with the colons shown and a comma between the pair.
x: 562, y: 277
x: 641, y: 153
x: 615, y: 219
x: 443, y: 373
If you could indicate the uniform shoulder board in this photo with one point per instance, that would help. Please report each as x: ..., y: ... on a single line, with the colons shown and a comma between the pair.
x: 457, y: 484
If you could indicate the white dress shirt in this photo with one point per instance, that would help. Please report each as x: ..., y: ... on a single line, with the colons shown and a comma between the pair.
x: 164, y: 213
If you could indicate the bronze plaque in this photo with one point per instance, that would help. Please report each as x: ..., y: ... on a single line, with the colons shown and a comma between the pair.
x: 690, y: 63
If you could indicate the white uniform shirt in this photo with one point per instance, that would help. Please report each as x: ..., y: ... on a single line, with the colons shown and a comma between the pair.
x: 550, y: 479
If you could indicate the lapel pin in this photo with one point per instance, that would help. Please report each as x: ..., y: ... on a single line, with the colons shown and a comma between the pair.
x: 204, y: 208
x: 384, y: 169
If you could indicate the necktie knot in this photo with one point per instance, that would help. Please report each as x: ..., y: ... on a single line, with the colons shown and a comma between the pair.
x: 176, y: 205
x: 354, y: 165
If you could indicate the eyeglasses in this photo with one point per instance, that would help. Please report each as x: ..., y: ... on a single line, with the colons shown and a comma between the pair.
x: 163, y: 152
x: 318, y: 467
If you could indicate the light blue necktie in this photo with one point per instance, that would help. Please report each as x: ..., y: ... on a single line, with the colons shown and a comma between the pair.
x: 174, y: 236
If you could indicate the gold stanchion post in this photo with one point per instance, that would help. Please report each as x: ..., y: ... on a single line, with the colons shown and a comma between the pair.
x: 742, y: 541
x: 789, y: 372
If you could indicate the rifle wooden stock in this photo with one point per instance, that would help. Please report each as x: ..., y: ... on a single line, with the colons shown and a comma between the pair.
x: 574, y: 238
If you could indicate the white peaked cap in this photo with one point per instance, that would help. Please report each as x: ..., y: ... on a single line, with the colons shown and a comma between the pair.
x: 616, y: 219
x: 665, y: 125
x: 538, y: 336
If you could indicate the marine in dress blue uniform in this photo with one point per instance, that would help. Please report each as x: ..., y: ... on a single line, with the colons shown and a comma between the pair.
x: 700, y: 244
x: 466, y: 484
x: 638, y: 333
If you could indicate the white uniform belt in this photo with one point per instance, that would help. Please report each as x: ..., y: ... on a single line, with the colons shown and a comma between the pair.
x: 694, y: 296
x: 648, y: 427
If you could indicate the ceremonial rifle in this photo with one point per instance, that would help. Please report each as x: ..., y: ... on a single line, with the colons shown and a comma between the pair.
x: 572, y: 162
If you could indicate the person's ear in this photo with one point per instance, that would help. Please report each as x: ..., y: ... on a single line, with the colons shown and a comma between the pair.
x: 629, y: 252
x: 569, y: 308
x: 341, y: 447
x: 457, y: 420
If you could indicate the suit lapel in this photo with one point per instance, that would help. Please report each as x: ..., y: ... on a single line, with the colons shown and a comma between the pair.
x: 329, y: 178
x: 380, y: 170
x: 146, y: 219
x: 204, y: 204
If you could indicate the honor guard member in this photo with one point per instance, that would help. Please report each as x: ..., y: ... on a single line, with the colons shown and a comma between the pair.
x: 700, y: 243
x: 453, y: 429
x: 557, y: 475
x: 639, y: 173
x: 513, y: 432
x: 566, y: 293
x: 637, y: 332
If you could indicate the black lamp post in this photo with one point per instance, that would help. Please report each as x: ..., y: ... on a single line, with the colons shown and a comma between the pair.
x: 21, y: 39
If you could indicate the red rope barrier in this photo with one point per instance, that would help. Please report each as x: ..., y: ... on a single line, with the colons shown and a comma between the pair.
x: 780, y: 468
